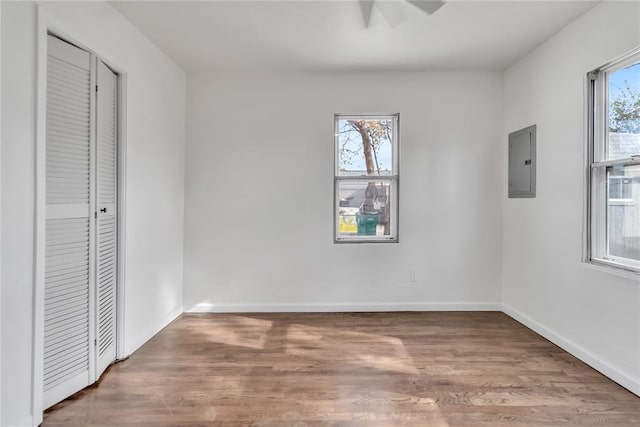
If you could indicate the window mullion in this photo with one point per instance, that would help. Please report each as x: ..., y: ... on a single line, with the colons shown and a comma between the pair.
x: 629, y: 161
x: 366, y: 178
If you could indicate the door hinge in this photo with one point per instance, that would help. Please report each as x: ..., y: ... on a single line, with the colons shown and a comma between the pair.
x: 95, y: 215
x: 96, y: 88
x: 95, y: 342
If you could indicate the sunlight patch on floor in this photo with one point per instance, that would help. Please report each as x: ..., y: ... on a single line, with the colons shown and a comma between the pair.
x: 368, y: 350
x: 238, y: 331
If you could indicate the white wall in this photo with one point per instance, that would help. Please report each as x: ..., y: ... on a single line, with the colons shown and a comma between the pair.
x: 18, y: 155
x: 154, y: 192
x: 590, y: 312
x: 259, y: 193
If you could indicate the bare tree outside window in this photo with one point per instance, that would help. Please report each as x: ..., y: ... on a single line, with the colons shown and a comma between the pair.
x: 624, y: 109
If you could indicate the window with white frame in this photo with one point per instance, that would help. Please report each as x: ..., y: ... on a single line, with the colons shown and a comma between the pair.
x: 366, y: 178
x: 614, y: 164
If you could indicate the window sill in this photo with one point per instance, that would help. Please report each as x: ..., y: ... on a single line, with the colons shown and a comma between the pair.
x: 357, y: 241
x: 613, y: 268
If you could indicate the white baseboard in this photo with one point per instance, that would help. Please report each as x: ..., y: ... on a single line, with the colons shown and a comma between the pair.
x: 346, y: 307
x: 149, y: 333
x: 590, y: 359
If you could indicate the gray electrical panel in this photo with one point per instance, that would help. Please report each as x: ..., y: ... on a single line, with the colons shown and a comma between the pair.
x: 522, y: 163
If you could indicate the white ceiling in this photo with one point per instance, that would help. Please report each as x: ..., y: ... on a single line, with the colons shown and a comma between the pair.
x: 330, y: 35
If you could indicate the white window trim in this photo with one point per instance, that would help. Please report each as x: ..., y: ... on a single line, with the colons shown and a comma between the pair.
x: 393, y: 179
x: 595, y: 247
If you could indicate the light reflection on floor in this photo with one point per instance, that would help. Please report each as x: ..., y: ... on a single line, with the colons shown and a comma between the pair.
x: 240, y: 331
x: 369, y: 350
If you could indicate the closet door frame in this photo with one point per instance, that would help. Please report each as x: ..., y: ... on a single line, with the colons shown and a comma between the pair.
x: 47, y: 25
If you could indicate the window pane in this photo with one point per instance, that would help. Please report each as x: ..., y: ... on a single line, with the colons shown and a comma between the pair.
x: 364, y: 208
x: 365, y: 147
x: 624, y: 113
x: 623, y: 206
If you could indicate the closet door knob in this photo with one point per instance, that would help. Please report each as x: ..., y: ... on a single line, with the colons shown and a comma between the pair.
x: 103, y: 210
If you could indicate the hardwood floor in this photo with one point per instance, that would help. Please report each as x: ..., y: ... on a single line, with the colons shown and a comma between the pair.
x: 351, y: 369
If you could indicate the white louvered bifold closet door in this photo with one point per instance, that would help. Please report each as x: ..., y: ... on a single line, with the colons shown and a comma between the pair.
x: 106, y: 244
x: 81, y: 220
x: 69, y: 238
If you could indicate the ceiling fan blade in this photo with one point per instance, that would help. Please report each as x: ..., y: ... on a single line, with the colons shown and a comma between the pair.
x: 366, y: 6
x: 391, y: 11
x: 429, y: 6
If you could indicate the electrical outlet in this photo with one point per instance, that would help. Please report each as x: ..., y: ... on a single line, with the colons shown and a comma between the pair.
x: 413, y: 276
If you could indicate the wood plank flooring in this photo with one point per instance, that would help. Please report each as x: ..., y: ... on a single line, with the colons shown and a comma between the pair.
x: 349, y: 369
